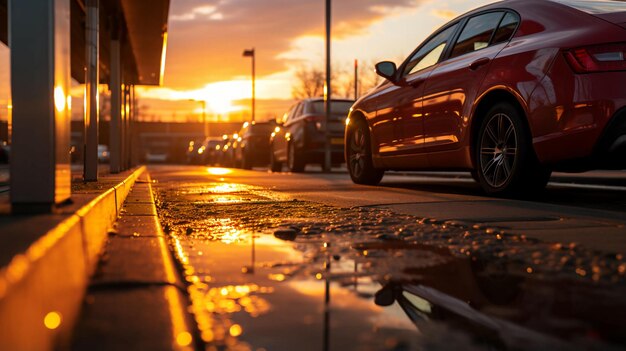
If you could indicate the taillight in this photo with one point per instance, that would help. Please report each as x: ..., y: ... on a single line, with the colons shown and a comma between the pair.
x: 598, y: 58
x: 317, y: 120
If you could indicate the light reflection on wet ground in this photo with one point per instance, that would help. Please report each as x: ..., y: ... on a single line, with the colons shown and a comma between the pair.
x: 270, y: 274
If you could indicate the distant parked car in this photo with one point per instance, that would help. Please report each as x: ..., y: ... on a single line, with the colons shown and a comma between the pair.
x: 191, y: 154
x: 157, y: 152
x: 254, y: 146
x: 103, y: 153
x: 210, y: 150
x: 227, y: 158
x: 5, y: 150
x: 509, y: 91
x: 299, y: 138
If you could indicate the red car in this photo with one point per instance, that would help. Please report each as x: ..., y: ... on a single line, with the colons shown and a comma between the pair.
x: 509, y: 91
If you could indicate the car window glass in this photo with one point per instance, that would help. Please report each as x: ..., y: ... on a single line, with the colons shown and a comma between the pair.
x: 430, y: 52
x: 477, y: 33
x: 506, y: 29
x: 289, y: 115
x: 298, y: 111
x: 336, y: 107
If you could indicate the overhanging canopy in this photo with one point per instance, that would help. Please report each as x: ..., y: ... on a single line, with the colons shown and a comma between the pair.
x: 143, y: 34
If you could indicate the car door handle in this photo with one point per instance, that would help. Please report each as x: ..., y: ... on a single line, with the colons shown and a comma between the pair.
x: 478, y: 63
x: 417, y: 82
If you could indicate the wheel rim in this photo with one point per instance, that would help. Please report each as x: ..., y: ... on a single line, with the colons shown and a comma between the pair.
x: 498, y: 150
x: 358, y: 152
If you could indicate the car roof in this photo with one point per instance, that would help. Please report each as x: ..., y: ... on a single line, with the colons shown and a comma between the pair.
x: 322, y: 100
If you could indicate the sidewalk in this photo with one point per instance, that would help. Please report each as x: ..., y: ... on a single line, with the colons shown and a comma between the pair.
x: 136, y: 299
x: 46, y: 261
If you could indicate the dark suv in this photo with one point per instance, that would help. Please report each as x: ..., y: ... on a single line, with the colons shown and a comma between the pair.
x: 254, y: 142
x: 299, y: 138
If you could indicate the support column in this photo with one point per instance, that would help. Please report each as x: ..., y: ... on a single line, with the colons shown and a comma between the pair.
x: 92, y: 78
x: 40, y: 81
x: 116, y: 103
x: 129, y: 124
x: 126, y: 127
x: 123, y: 129
x: 134, y: 139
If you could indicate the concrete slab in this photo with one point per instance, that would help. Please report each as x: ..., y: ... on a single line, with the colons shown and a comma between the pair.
x: 137, y: 226
x: 607, y: 239
x: 132, y: 319
x: 597, y: 230
x: 135, y: 260
x: 136, y: 298
x: 138, y: 209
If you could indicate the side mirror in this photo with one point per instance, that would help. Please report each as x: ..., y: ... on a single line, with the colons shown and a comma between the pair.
x: 387, y: 70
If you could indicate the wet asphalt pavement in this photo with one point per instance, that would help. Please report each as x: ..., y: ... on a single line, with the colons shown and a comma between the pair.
x: 312, y: 262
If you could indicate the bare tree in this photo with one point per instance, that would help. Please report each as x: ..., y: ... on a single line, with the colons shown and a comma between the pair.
x: 309, y: 84
x: 310, y: 81
x: 368, y: 79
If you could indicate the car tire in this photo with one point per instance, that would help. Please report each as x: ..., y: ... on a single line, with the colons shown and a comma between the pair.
x: 359, y: 155
x: 505, y: 161
x: 246, y: 162
x: 295, y: 162
x: 275, y: 165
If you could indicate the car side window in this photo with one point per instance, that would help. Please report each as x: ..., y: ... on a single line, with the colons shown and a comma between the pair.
x: 430, y: 53
x: 298, y: 110
x: 506, y: 29
x: 289, y: 115
x: 477, y: 33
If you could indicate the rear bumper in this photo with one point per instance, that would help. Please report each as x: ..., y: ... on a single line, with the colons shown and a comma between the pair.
x: 314, y: 143
x: 610, y: 150
x: 578, y: 120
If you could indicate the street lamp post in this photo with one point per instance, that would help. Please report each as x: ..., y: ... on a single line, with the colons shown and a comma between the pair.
x: 250, y: 53
x: 327, y: 91
x: 205, y: 123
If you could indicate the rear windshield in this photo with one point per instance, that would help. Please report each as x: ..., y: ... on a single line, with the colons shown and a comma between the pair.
x: 595, y: 7
x: 336, y: 107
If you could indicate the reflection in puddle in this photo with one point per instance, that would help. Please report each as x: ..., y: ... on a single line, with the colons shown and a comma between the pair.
x: 291, y: 275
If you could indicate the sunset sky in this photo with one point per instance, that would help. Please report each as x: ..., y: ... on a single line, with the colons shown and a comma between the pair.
x: 206, y: 40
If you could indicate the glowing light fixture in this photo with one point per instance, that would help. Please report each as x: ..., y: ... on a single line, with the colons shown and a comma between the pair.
x: 52, y: 320
x: 59, y: 99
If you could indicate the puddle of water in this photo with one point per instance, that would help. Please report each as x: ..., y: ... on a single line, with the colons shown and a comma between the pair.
x: 285, y: 299
x: 293, y: 275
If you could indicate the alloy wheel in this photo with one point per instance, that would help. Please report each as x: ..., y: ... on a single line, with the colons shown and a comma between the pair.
x: 498, y: 150
x: 358, y: 152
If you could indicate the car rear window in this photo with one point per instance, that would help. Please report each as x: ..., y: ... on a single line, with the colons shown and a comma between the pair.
x: 336, y: 107
x: 506, y: 29
x: 595, y: 7
x: 477, y: 33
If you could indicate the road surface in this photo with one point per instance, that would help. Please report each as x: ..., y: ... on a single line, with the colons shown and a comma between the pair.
x: 311, y: 261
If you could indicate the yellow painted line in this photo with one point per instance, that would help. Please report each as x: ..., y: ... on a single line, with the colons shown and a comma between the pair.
x: 181, y: 335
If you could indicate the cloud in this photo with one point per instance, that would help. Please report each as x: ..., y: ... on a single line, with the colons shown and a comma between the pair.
x: 207, y: 38
x: 206, y: 11
x: 444, y: 13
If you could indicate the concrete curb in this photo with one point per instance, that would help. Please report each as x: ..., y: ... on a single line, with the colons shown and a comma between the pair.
x: 41, y: 289
x: 137, y: 299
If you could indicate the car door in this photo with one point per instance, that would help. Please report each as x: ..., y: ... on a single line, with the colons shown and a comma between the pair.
x: 417, y: 70
x: 453, y: 85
